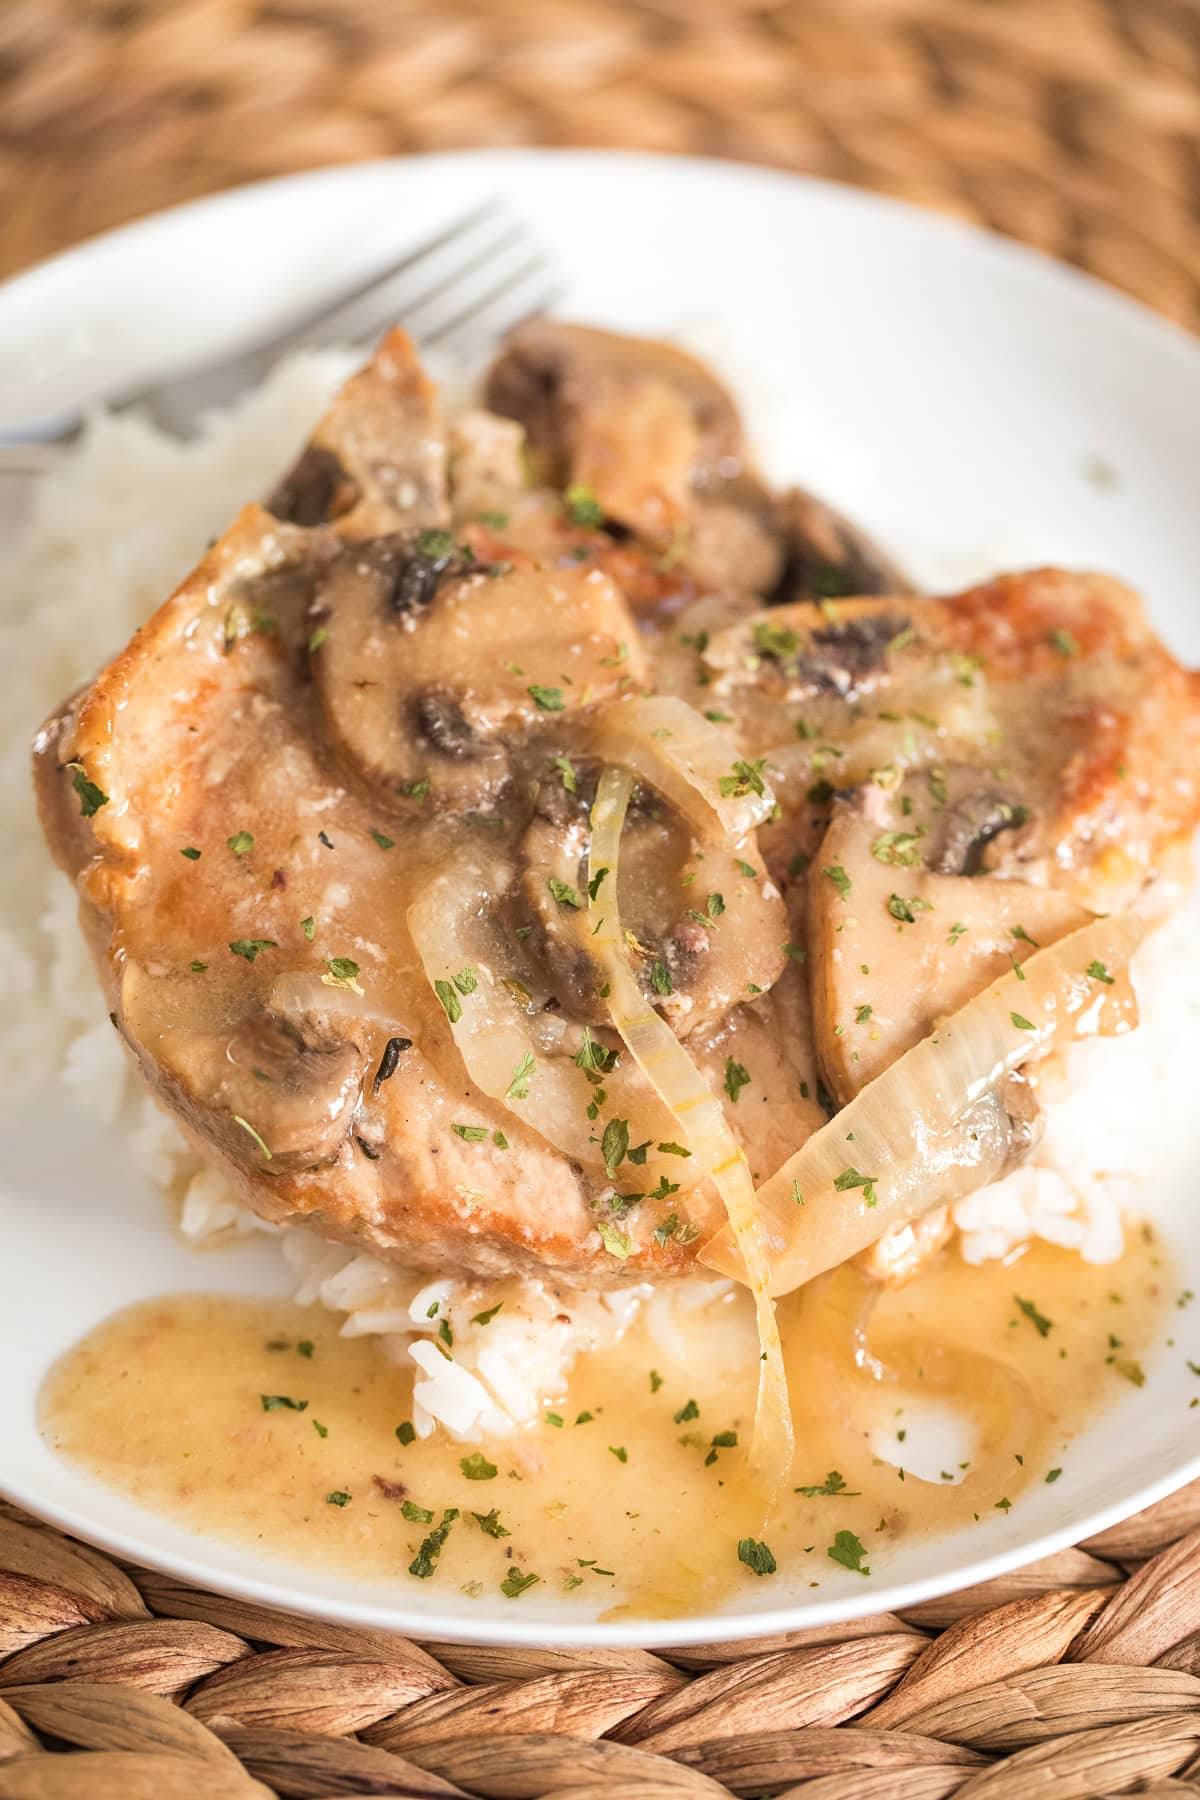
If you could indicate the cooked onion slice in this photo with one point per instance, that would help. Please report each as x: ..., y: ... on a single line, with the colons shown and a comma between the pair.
x: 932, y: 1127
x: 668, y: 744
x: 700, y: 1117
x: 453, y: 931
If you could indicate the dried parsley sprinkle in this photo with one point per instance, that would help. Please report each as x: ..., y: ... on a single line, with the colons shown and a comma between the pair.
x: 344, y: 971
x: 1097, y: 971
x: 422, y: 1564
x: 340, y: 1497
x: 197, y: 967
x: 849, y: 1551
x: 416, y: 1515
x: 485, y: 1318
x: 850, y: 1178
x: 862, y: 1014
x: 595, y: 884
x: 555, y: 1419
x: 564, y: 893
x: 582, y: 506
x: 906, y: 910
x: 1053, y: 1474
x: 839, y: 878
x: 322, y: 1431
x: 619, y: 1451
x: 476, y: 1467
x: 490, y: 1522
x: 470, y: 1134
x: 566, y: 769
x: 955, y: 932
x: 451, y: 1004
x: 894, y: 847
x: 515, y: 1584
x: 670, y: 1149
x: 656, y: 1381
x: 756, y: 1556
x: 834, y: 1483
x: 746, y: 778
x: 276, y: 1402
x: 714, y: 906
x: 192, y: 854
x: 688, y: 1411
x: 614, y: 1241
x: 614, y: 1144
x: 660, y: 977
x: 548, y: 699
x: 1065, y: 642
x: 406, y: 1432
x: 250, y: 947
x: 384, y: 842
x: 1041, y: 1324
x: 240, y: 842
x: 318, y: 637
x: 522, y: 1075
x: 1022, y: 1023
x: 737, y: 1076
x: 91, y: 797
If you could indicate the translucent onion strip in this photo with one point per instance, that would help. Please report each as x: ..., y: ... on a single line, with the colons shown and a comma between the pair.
x: 932, y: 1127
x: 454, y: 936
x: 668, y: 744
x: 700, y: 1116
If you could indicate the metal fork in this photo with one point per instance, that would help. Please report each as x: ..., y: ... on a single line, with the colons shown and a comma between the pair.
x: 460, y: 289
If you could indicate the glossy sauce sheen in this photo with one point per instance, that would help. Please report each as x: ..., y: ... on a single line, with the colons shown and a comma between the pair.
x: 164, y: 1401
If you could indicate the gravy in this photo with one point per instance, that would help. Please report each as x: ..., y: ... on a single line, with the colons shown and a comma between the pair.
x: 617, y: 1487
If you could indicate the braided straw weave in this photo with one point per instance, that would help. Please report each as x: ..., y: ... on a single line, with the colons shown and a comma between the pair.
x: 1072, y: 124
x: 1075, y: 1678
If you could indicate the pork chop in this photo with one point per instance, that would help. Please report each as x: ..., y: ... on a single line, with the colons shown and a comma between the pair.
x: 328, y: 814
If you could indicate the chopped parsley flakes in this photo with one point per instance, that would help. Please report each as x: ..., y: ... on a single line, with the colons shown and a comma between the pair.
x: 756, y: 1556
x: 564, y: 893
x: 1041, y: 1324
x: 850, y: 1178
x: 476, y: 1467
x: 737, y: 1076
x: 240, y: 842
x: 522, y: 1075
x: 91, y: 797
x: 547, y: 699
x: 250, y: 947
x: 849, y: 1551
x: 746, y: 778
x: 834, y: 1483
x: 515, y: 1584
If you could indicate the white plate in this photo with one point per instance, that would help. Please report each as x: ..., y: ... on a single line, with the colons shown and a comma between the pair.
x: 950, y: 390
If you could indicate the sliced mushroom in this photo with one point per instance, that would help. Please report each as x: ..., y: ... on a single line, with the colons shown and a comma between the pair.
x: 639, y: 424
x: 428, y: 666
x: 826, y: 557
x: 704, y: 934
x: 280, y: 1095
x: 894, y: 946
x: 378, y: 456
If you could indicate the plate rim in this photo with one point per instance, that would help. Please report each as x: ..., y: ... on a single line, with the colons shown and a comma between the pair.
x: 1043, y: 272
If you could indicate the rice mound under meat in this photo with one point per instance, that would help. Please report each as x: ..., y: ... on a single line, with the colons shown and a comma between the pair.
x: 111, y: 533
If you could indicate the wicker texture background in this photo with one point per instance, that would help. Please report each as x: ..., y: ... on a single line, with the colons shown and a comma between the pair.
x: 1074, y: 1679
x: 1073, y: 124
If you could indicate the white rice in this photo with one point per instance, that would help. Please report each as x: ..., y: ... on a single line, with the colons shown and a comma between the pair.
x: 112, y: 532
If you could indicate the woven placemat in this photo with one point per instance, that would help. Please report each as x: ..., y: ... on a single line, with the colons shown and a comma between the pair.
x: 1075, y: 1678
x: 1073, y: 124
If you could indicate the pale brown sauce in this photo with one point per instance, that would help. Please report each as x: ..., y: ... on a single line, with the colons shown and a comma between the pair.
x: 164, y: 1402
